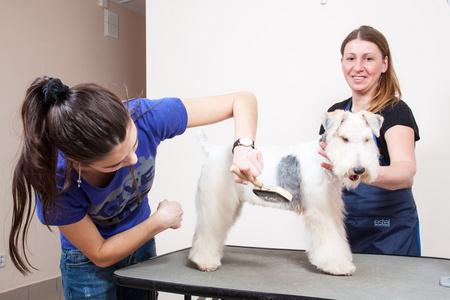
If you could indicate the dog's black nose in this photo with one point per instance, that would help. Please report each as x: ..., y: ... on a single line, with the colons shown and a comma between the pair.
x: 359, y: 170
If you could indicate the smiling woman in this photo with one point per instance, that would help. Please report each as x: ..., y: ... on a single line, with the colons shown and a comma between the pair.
x: 368, y: 51
x: 362, y: 64
x: 381, y: 217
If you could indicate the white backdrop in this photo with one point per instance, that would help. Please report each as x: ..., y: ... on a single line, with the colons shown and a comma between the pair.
x: 287, y: 53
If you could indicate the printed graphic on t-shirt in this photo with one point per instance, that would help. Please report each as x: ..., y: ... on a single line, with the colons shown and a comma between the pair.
x: 121, y: 202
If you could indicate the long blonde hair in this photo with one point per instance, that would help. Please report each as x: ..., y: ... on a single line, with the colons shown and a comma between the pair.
x: 388, y: 91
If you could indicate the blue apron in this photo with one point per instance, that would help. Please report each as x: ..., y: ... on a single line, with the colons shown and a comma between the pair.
x: 380, y: 221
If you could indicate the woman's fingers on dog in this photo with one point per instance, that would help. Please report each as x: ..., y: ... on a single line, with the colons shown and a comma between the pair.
x: 326, y: 166
x: 323, y: 145
x: 321, y: 151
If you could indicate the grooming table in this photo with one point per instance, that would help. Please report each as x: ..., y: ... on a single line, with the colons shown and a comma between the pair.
x: 258, y: 273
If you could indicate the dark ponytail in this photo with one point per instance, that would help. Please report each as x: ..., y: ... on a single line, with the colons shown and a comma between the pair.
x: 84, y: 123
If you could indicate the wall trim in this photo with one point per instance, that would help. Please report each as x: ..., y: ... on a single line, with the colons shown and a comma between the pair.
x: 50, y: 289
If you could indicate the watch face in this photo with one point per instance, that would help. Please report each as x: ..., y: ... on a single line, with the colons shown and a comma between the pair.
x: 245, y: 142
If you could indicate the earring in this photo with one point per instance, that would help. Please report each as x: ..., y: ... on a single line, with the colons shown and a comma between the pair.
x: 79, y: 176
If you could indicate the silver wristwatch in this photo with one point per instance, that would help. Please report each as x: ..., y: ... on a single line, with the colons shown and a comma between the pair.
x: 247, y: 142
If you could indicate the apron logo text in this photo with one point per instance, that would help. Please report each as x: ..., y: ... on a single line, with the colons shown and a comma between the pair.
x: 382, y: 223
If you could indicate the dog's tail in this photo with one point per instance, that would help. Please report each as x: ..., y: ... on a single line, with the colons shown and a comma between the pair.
x: 206, y: 145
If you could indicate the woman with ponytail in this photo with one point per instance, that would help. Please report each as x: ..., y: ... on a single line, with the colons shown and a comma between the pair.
x: 381, y: 217
x: 87, y: 165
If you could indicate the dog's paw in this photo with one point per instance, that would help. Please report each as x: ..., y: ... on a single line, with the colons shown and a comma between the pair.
x: 206, y: 262
x: 342, y: 268
x: 207, y: 268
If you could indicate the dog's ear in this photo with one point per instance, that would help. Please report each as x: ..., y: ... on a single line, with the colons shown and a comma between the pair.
x: 332, y: 121
x: 375, y: 121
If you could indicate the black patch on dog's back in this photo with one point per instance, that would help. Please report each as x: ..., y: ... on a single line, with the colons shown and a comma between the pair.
x: 288, y: 176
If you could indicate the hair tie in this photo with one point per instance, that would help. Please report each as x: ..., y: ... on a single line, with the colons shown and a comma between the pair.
x: 53, y: 91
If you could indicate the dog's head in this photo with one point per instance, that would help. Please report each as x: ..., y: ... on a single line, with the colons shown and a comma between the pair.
x: 351, y: 146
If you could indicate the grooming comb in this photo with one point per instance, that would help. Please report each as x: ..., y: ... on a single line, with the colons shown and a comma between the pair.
x: 268, y: 193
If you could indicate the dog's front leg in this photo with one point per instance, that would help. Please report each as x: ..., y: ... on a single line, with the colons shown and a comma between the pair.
x: 329, y: 250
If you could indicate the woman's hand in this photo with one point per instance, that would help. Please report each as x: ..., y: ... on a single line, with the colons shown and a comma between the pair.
x: 325, y: 165
x: 249, y: 161
x: 169, y: 214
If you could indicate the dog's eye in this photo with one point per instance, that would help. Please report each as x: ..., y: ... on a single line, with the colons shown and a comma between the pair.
x: 344, y: 139
x: 367, y: 140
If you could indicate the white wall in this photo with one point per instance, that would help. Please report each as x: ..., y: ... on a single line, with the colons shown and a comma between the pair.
x: 287, y: 53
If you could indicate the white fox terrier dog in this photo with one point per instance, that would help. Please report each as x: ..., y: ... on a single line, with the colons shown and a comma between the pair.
x: 317, y: 192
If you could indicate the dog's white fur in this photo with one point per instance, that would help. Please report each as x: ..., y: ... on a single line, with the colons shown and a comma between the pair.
x: 317, y: 191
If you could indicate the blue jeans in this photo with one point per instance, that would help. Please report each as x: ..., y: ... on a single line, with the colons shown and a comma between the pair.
x: 82, y: 279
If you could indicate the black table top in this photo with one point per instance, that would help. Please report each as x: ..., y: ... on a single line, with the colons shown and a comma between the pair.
x: 287, y: 274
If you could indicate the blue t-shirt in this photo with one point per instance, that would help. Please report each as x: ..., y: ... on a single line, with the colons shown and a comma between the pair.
x: 117, y: 207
